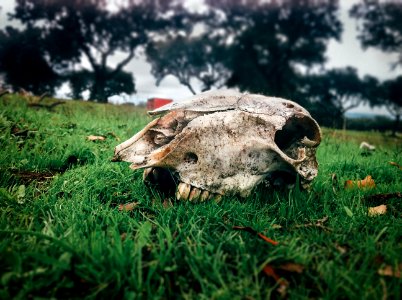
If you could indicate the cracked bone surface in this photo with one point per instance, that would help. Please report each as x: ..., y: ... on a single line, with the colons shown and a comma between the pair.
x: 225, y: 143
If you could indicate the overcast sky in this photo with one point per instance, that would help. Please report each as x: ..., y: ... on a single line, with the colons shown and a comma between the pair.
x: 340, y: 54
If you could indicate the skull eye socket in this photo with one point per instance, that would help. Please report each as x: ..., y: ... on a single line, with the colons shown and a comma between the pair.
x: 190, y: 157
x: 296, y: 128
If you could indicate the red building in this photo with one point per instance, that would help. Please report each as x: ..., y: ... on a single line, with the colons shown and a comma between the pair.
x: 154, y: 103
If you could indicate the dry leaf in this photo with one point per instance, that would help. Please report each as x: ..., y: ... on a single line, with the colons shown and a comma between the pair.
x: 391, y: 271
x: 282, y: 283
x: 292, y: 267
x: 260, y: 235
x: 377, y: 210
x: 367, y: 182
x: 342, y: 249
x: 95, y: 138
x: 392, y: 163
x: 319, y: 223
x: 128, y: 206
x: 167, y: 203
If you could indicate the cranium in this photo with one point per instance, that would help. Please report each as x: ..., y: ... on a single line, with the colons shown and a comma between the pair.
x: 225, y: 143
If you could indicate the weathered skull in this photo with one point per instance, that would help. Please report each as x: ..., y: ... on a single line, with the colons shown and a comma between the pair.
x: 225, y: 143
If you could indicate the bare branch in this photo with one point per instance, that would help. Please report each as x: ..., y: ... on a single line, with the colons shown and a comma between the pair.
x: 124, y: 62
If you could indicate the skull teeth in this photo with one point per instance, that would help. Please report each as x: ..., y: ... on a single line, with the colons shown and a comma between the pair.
x: 183, y: 191
x: 186, y: 192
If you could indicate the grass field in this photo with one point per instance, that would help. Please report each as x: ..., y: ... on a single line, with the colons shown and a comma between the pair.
x: 63, y: 236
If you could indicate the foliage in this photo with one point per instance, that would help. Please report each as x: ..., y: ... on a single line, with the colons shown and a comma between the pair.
x: 258, y: 46
x: 380, y: 25
x: 188, y: 58
x: 392, y: 98
x: 271, y: 44
x: 336, y: 91
x: 379, y: 123
x: 63, y: 236
x: 23, y: 63
x: 73, y: 30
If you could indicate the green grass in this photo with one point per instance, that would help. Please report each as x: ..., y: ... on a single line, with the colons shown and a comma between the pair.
x: 62, y: 234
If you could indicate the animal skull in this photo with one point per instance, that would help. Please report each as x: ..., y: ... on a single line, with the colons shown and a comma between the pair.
x: 225, y: 143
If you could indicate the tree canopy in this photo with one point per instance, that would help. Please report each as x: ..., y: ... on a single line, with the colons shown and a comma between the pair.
x: 75, y: 31
x: 273, y: 43
x: 339, y: 90
x: 23, y: 63
x: 380, y: 25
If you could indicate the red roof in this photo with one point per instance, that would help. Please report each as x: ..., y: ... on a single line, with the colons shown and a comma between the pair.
x: 154, y: 103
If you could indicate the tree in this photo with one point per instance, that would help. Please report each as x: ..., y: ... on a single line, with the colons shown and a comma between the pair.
x: 188, y: 58
x: 258, y: 46
x: 22, y: 61
x: 392, y: 92
x: 75, y: 30
x: 273, y: 44
x: 380, y: 25
x: 341, y: 90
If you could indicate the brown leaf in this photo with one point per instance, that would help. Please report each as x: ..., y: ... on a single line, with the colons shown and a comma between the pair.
x: 282, y: 283
x: 128, y: 206
x: 391, y: 271
x: 392, y: 163
x: 377, y: 210
x: 319, y: 223
x: 342, y: 249
x: 167, y: 203
x: 367, y: 182
x: 95, y: 138
x: 292, y: 267
x: 260, y: 235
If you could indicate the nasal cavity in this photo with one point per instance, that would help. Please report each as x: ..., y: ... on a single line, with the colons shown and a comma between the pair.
x: 190, y: 157
x: 295, y: 129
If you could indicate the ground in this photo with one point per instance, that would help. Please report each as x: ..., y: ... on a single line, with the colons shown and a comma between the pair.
x: 74, y: 224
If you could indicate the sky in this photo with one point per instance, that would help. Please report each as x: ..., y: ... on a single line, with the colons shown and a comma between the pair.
x: 347, y: 52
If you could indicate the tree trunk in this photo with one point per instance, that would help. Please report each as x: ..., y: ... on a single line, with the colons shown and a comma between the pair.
x: 344, y: 120
x: 396, y: 125
x: 98, y: 92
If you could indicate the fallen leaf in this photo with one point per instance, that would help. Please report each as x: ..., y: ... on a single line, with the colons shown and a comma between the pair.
x: 282, y: 283
x: 391, y: 271
x: 292, y: 267
x: 392, y: 163
x: 342, y: 249
x: 377, y: 210
x: 260, y: 235
x: 128, y: 206
x: 367, y: 182
x: 167, y: 203
x: 95, y: 138
x: 319, y: 223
